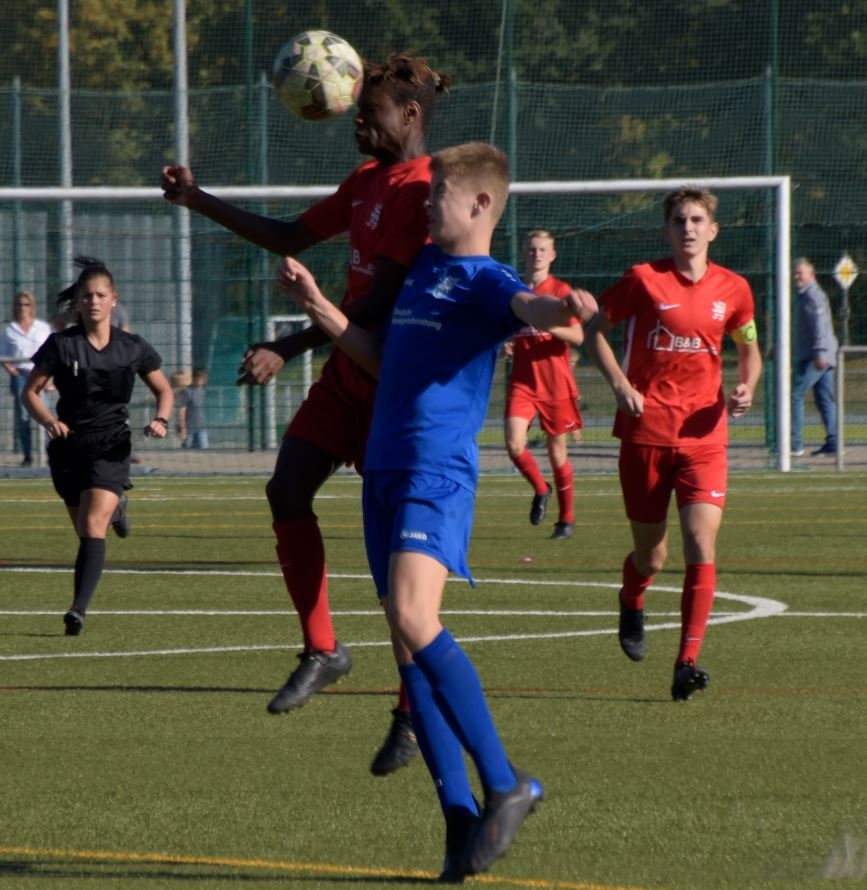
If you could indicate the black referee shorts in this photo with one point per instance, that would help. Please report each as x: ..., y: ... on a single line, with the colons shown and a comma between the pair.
x: 98, y: 460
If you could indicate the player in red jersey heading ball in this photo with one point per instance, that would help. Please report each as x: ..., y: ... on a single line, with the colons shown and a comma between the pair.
x: 381, y: 205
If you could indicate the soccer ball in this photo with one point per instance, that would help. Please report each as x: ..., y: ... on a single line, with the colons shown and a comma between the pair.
x: 317, y: 75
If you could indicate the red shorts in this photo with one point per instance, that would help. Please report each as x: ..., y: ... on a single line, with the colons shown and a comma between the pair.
x: 336, y: 417
x: 650, y: 473
x: 556, y: 418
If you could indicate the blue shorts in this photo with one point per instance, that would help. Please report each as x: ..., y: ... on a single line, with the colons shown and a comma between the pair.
x: 419, y: 512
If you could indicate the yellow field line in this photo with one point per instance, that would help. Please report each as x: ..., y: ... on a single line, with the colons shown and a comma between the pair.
x: 278, y: 865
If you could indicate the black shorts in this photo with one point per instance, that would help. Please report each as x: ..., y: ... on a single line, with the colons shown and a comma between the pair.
x: 99, y: 460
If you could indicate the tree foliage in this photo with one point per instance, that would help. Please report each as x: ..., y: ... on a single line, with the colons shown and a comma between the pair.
x: 127, y: 44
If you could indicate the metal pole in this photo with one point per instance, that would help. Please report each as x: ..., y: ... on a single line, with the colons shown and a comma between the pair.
x: 268, y: 400
x: 253, y: 334
x: 184, y: 326
x: 513, y: 129
x: 784, y: 331
x: 64, y: 92
x: 17, y: 216
x: 841, y: 403
x: 845, y: 313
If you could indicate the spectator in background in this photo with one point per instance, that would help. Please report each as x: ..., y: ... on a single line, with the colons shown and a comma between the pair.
x: 815, y: 359
x: 541, y: 383
x: 179, y: 381
x: 120, y: 318
x: 21, y: 338
x: 192, y: 427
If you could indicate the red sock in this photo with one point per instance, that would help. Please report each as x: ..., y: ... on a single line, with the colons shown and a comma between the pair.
x: 565, y: 491
x: 529, y: 469
x: 403, y: 699
x: 302, y: 560
x: 634, y: 585
x: 699, y: 585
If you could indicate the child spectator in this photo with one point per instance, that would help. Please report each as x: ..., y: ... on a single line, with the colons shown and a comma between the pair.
x: 191, y: 411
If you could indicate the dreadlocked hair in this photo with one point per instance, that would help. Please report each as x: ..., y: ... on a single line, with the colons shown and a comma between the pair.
x: 67, y: 299
x: 408, y: 78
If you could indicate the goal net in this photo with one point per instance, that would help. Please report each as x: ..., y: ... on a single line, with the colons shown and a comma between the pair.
x: 200, y: 295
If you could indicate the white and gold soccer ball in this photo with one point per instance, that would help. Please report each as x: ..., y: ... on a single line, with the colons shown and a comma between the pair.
x: 317, y: 75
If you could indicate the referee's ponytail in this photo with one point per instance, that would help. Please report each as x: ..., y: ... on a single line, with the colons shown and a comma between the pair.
x: 67, y: 299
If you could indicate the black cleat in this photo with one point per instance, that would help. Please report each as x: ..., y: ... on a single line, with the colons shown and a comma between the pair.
x: 119, y: 520
x: 631, y: 633
x: 540, y: 506
x: 688, y: 679
x: 317, y: 670
x: 826, y: 449
x: 460, y: 831
x: 503, y: 815
x: 562, y: 531
x: 399, y: 747
x: 74, y: 621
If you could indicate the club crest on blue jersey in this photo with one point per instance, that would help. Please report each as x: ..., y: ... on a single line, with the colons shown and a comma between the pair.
x: 443, y: 289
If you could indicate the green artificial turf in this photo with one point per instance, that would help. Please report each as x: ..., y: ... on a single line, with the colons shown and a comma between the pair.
x: 141, y: 755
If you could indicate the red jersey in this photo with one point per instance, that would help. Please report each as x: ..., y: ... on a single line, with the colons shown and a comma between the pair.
x: 673, y: 349
x: 383, y: 210
x: 540, y: 361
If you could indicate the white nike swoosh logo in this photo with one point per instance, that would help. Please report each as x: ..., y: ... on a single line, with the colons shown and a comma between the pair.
x: 664, y: 306
x: 717, y: 494
x: 356, y: 203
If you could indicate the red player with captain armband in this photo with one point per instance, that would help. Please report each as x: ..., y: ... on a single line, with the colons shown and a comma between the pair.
x: 671, y: 414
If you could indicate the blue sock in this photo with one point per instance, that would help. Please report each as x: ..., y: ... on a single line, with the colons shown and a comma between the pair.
x: 458, y: 692
x: 439, y: 746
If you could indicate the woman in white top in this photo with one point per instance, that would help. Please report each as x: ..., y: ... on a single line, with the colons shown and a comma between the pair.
x: 21, y: 338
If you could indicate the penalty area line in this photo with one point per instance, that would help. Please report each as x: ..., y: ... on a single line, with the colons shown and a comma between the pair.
x: 311, y: 868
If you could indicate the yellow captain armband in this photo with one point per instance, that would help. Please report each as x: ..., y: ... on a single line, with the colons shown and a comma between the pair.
x: 746, y: 334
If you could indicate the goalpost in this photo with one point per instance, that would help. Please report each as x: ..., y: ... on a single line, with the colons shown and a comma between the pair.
x: 180, y: 241
x: 781, y: 188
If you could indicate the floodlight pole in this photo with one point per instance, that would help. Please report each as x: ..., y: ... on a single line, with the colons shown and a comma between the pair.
x: 64, y: 91
x: 184, y: 274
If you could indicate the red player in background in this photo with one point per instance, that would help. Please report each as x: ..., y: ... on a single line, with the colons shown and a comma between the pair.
x: 542, y: 383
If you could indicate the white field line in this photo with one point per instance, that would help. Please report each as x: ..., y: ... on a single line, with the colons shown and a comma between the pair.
x: 757, y: 607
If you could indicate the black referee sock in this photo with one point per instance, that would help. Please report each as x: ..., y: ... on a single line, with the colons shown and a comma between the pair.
x: 88, y: 570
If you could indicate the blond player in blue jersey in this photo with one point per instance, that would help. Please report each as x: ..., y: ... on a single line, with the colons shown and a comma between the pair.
x: 435, y: 367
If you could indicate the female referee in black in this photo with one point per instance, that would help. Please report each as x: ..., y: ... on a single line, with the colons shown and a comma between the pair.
x: 94, y: 367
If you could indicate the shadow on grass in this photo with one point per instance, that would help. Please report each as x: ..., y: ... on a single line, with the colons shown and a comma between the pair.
x: 156, y: 567
x: 602, y: 695
x: 36, y: 870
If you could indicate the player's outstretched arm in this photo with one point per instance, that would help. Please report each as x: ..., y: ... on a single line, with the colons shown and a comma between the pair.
x: 262, y: 361
x: 553, y: 314
x: 279, y: 236
x: 362, y: 346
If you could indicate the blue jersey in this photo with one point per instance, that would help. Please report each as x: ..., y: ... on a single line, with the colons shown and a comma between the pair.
x: 438, y: 364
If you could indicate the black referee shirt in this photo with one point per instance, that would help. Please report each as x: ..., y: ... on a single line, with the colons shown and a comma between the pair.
x: 95, y: 386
